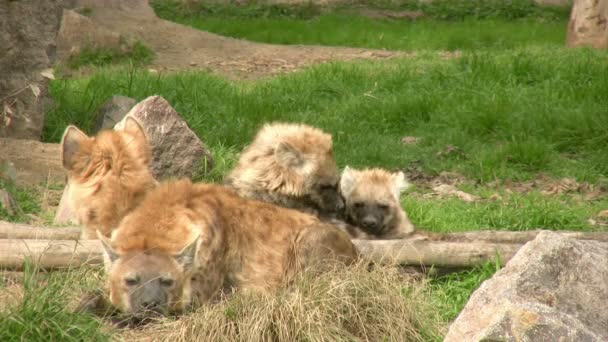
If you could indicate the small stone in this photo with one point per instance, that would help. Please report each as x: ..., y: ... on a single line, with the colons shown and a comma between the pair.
x: 112, y: 111
x: 192, y: 63
x: 410, y: 140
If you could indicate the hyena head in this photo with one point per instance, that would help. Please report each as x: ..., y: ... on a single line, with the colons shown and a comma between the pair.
x: 371, y: 198
x: 108, y: 174
x: 293, y: 161
x: 150, y: 281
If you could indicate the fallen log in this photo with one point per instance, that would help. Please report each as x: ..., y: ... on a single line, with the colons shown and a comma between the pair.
x: 49, y: 254
x: 10, y: 230
x: 506, y: 236
x: 52, y: 254
x: 436, y: 253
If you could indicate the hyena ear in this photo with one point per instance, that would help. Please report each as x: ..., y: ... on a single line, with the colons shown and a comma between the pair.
x: 347, y: 181
x: 109, y: 255
x: 71, y: 143
x: 291, y: 158
x: 187, y: 256
x: 132, y: 125
x: 399, y: 184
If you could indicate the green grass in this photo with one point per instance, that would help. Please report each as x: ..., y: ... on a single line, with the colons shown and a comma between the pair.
x: 42, y: 314
x: 138, y: 54
x: 453, y: 25
x: 27, y: 202
x: 513, y: 114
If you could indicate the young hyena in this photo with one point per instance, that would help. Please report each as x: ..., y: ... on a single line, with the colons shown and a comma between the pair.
x: 290, y: 165
x: 185, y: 242
x: 372, y: 205
x: 108, y: 174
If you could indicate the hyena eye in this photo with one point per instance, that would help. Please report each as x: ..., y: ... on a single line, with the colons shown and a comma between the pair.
x: 166, y: 282
x: 359, y: 204
x: 383, y: 206
x: 131, y: 281
x: 325, y: 187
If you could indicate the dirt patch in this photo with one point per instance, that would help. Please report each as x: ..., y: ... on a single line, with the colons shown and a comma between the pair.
x: 178, y: 47
x: 388, y: 14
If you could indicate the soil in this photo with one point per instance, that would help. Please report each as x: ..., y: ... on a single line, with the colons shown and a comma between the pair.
x: 178, y: 47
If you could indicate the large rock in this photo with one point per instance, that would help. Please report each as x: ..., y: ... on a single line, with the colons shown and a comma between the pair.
x: 588, y: 24
x: 27, y: 47
x: 35, y: 163
x: 553, y: 289
x: 176, y: 151
x: 112, y: 111
x: 78, y: 32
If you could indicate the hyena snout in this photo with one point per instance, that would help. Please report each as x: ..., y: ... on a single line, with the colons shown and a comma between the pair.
x: 370, y: 222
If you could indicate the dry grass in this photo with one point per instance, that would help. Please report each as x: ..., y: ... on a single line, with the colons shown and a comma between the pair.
x: 345, y: 304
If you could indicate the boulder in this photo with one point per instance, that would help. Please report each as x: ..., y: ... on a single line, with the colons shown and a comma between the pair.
x: 78, y: 32
x: 176, y: 150
x: 588, y: 24
x: 554, y: 289
x: 27, y: 48
x: 112, y: 111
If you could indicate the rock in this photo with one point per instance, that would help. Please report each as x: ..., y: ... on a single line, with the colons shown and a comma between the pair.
x: 78, y: 32
x: 35, y: 162
x: 553, y: 289
x: 176, y: 150
x: 587, y: 25
x: 7, y: 202
x: 112, y: 111
x: 65, y: 215
x: 27, y: 39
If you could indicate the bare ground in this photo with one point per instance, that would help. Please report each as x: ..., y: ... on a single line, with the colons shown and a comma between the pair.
x: 178, y: 47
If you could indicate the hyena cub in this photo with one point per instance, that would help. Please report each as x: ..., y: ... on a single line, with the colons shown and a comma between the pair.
x: 108, y: 174
x: 290, y: 165
x: 371, y: 199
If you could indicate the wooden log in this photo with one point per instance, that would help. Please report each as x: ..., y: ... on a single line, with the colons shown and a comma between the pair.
x: 49, y: 254
x: 436, y: 253
x: 10, y: 230
x: 505, y: 236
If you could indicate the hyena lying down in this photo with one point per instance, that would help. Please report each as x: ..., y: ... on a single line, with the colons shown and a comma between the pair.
x: 185, y: 242
x: 290, y: 165
x: 372, y: 206
x: 108, y: 174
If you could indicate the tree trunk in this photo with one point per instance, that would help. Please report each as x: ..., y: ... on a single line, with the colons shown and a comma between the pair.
x: 588, y: 24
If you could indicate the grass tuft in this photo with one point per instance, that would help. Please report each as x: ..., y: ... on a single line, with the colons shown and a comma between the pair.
x: 346, y: 304
x: 138, y: 54
x: 43, y: 311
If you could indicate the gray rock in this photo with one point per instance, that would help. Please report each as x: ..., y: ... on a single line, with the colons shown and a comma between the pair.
x: 27, y: 47
x: 112, y: 111
x: 553, y: 289
x: 78, y: 32
x: 176, y: 151
x: 7, y: 202
x: 65, y: 214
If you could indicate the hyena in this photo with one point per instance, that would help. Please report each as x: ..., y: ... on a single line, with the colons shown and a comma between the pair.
x: 108, y: 174
x: 371, y: 199
x: 186, y: 242
x: 290, y: 165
